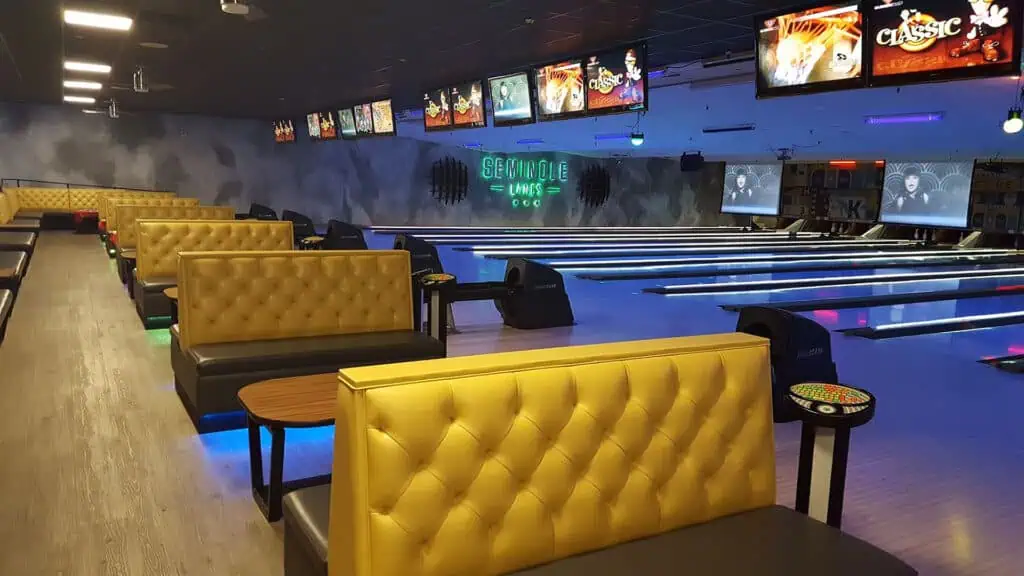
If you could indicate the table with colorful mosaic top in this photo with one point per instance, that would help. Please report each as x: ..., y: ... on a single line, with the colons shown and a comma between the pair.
x: 829, y: 412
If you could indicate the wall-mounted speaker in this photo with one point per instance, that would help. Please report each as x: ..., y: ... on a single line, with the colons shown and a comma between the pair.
x: 691, y: 162
x: 595, y: 186
x: 449, y: 180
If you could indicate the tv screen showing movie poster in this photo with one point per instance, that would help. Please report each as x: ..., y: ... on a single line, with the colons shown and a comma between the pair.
x: 347, y: 122
x: 284, y: 131
x: 437, y: 111
x: 560, y: 90
x: 364, y: 119
x: 322, y: 126
x: 955, y: 37
x: 617, y: 80
x: 468, y: 105
x: 510, y: 99
x: 383, y: 118
x: 934, y: 194
x: 752, y: 189
x: 816, y: 48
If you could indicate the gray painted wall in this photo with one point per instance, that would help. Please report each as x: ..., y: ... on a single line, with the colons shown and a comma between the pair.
x: 372, y: 181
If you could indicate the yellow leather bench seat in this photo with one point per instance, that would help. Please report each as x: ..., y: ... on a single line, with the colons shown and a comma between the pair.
x: 112, y: 222
x: 249, y: 316
x: 108, y: 197
x: 128, y: 214
x: 160, y: 242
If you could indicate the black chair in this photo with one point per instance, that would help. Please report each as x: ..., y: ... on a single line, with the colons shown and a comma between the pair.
x: 261, y: 212
x: 343, y: 236
x: 302, y: 225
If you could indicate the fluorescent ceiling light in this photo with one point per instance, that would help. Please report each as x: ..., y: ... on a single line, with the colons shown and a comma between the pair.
x: 93, y: 111
x: 79, y: 99
x: 82, y: 85
x: 78, y: 66
x: 97, y: 20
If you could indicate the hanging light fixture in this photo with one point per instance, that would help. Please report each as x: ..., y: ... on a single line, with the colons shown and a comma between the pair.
x: 1014, y: 123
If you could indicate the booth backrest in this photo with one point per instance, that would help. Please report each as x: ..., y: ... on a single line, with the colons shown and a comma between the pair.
x: 489, y: 464
x: 128, y: 215
x: 67, y: 199
x: 250, y: 296
x: 108, y: 197
x: 8, y: 207
x: 160, y: 241
x: 168, y: 201
x: 85, y: 198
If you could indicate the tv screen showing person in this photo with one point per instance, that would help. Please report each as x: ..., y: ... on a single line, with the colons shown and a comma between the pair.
x: 927, y: 193
x: 752, y: 189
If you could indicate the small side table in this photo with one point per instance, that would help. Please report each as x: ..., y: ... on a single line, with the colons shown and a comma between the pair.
x: 172, y: 295
x: 828, y: 412
x: 297, y: 402
x: 311, y: 242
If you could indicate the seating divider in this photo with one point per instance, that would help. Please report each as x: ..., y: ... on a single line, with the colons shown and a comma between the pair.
x: 127, y: 215
x: 109, y: 196
x: 112, y: 221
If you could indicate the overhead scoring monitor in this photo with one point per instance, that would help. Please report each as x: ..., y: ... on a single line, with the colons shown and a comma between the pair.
x: 383, y: 118
x: 510, y: 99
x: 347, y: 122
x: 468, y: 105
x: 936, y: 194
x: 617, y: 80
x: 364, y: 119
x: 437, y: 111
x: 752, y: 189
x: 561, y: 92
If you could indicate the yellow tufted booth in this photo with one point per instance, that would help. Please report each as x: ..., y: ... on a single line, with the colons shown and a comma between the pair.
x: 127, y: 215
x: 43, y: 199
x: 160, y: 241
x: 493, y: 463
x: 242, y: 297
x: 112, y: 222
x: 107, y: 197
x: 8, y: 207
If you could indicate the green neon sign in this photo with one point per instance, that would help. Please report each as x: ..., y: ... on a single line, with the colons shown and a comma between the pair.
x: 525, y: 182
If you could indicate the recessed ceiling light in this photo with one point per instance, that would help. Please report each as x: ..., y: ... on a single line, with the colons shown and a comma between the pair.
x: 97, y: 20
x: 78, y: 66
x: 82, y: 85
x: 79, y: 99
x: 154, y: 45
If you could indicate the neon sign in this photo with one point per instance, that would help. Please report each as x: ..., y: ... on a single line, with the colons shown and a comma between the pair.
x: 525, y: 182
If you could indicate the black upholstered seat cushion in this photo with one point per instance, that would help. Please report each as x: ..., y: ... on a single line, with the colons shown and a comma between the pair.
x: 773, y: 541
x: 22, y: 215
x: 6, y: 306
x: 20, y: 240
x: 22, y: 225
x: 157, y: 284
x: 340, y: 351
x: 12, y: 268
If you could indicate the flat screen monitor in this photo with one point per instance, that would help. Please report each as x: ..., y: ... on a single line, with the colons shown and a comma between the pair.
x: 437, y: 110
x: 383, y: 118
x: 935, y: 194
x: 510, y: 99
x: 810, y: 50
x: 933, y: 40
x: 752, y: 189
x: 561, y: 90
x: 364, y: 119
x: 617, y: 80
x: 284, y: 131
x: 322, y: 126
x: 348, y: 123
x: 468, y: 105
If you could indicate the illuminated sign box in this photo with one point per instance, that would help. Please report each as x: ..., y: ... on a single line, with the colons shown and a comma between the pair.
x: 526, y: 182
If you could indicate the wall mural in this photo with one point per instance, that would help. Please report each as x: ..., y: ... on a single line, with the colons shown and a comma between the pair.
x: 372, y: 181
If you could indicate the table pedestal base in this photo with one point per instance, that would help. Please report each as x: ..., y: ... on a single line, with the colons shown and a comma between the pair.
x: 821, y: 479
x: 269, y: 496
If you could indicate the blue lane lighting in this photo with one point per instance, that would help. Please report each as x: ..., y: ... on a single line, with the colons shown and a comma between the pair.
x: 513, y: 230
x: 530, y: 141
x: 645, y: 263
x: 611, y: 137
x: 626, y: 248
x: 948, y: 321
x: 469, y: 238
x: 748, y: 287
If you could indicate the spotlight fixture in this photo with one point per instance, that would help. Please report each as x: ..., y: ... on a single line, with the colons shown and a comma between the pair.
x: 234, y: 7
x: 114, y: 110
x: 82, y: 85
x: 97, y: 20
x: 92, y: 67
x: 139, y: 81
x: 636, y: 138
x: 1013, y: 123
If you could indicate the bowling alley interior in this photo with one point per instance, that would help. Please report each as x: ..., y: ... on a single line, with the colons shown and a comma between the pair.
x: 715, y: 287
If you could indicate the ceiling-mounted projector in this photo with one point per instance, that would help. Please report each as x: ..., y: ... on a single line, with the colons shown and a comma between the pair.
x: 234, y: 7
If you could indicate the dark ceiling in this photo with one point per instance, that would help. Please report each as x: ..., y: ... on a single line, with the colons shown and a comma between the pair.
x: 294, y: 56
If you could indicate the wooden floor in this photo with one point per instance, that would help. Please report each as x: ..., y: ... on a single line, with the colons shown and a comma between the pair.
x: 101, y: 472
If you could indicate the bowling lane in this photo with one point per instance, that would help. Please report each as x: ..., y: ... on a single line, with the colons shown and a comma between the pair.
x: 917, y: 312
x: 627, y: 250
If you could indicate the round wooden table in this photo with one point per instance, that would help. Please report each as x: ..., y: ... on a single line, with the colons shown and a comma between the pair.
x: 296, y: 402
x: 311, y: 242
x: 172, y: 295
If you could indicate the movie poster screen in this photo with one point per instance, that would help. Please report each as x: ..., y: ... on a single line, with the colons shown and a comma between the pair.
x: 468, y: 105
x: 284, y: 131
x: 347, y: 122
x: 322, y: 126
x: 811, y: 47
x: 510, y: 99
x: 437, y: 111
x: 383, y: 118
x: 927, y: 193
x: 364, y: 119
x: 617, y: 80
x: 921, y: 36
x: 752, y: 189
x: 561, y: 90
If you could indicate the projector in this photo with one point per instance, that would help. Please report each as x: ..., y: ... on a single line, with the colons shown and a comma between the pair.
x: 234, y: 7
